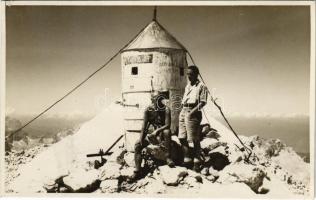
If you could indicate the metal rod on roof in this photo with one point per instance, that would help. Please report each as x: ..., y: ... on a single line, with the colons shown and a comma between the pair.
x: 155, y: 13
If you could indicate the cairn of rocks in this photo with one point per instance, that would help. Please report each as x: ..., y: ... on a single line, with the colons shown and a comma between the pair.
x: 224, y: 164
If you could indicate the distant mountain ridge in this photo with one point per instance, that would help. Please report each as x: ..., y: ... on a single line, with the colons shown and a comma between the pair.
x: 45, y: 131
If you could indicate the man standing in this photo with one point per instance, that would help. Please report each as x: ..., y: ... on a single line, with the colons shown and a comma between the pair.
x: 158, y: 116
x: 194, y: 98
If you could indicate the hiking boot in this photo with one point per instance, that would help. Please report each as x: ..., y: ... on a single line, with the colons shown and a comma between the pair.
x: 196, y: 167
x: 187, y: 160
x: 170, y: 163
x: 187, y: 163
x: 135, y: 177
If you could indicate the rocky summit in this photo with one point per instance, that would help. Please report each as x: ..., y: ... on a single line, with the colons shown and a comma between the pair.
x: 265, y: 168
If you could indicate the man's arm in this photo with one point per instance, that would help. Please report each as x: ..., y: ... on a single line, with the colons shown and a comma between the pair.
x: 144, y: 126
x: 202, y: 99
x: 198, y: 107
x: 167, y: 121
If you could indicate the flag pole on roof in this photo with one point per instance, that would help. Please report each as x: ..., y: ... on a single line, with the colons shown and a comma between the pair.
x: 155, y: 13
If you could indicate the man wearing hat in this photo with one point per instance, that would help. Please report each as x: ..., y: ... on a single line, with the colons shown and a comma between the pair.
x: 194, y: 98
x: 157, y: 115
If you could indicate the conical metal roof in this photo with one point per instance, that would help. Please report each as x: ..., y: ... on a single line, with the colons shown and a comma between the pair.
x: 154, y: 35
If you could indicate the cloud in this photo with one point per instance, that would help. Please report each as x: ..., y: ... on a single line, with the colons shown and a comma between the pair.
x: 67, y: 115
x: 9, y: 111
x: 265, y: 114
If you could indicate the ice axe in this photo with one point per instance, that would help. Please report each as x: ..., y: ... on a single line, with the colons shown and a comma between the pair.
x: 101, y: 153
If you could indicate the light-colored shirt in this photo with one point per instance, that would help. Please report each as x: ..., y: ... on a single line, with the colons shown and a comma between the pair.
x: 193, y: 94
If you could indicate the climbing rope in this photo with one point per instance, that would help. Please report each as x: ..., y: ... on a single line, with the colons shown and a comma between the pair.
x: 247, y: 149
x: 80, y: 84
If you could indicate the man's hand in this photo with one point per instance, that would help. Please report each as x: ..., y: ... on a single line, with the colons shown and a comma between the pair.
x: 141, y: 142
x: 152, y: 138
x: 191, y: 113
x: 155, y: 133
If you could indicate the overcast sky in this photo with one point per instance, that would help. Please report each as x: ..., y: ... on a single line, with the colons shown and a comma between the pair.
x: 256, y: 58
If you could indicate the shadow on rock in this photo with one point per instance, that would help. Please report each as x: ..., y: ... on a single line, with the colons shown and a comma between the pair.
x: 217, y: 160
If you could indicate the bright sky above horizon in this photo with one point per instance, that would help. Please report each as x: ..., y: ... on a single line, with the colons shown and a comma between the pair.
x: 256, y: 59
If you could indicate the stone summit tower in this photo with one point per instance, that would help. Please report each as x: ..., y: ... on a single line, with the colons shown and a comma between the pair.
x: 153, y: 61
